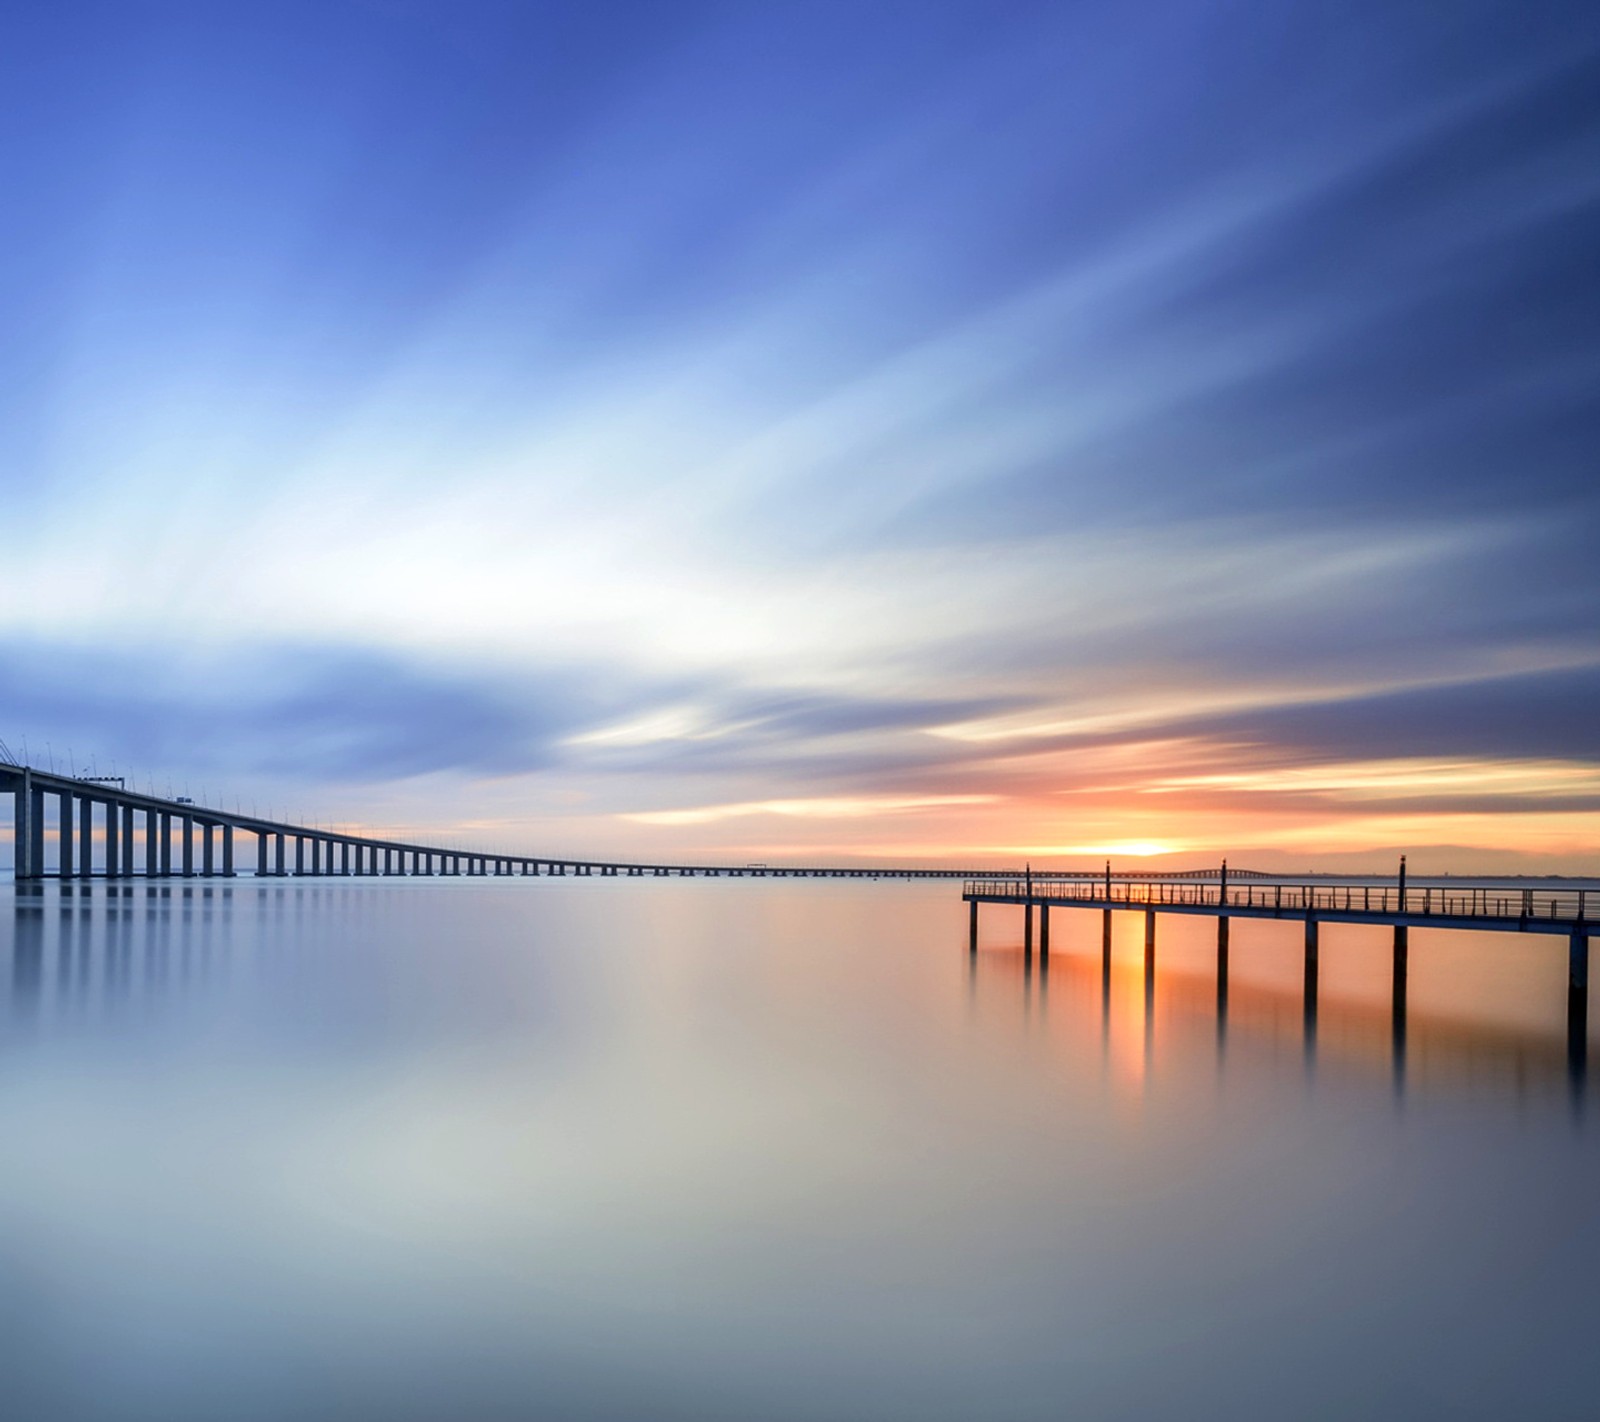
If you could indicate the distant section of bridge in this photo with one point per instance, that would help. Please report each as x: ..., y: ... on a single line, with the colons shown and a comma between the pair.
x: 103, y: 830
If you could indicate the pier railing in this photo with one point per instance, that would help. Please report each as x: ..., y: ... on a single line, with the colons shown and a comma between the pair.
x: 1488, y: 902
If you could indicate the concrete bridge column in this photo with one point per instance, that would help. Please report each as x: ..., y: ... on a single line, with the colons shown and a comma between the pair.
x: 65, y: 842
x: 152, y: 844
x: 166, y: 844
x: 208, y: 862
x: 281, y: 850
x: 28, y: 812
x: 299, y: 854
x: 36, y: 830
x: 85, y: 837
x: 261, y: 854
x: 127, y: 841
x: 186, y: 837
x: 227, y: 851
x: 113, y: 840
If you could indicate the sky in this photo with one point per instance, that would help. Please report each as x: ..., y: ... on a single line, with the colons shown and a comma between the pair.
x: 939, y: 432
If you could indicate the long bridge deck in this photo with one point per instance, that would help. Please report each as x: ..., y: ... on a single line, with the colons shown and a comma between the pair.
x: 106, y: 831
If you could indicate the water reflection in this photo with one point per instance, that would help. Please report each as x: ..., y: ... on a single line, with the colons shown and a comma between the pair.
x: 745, y: 1151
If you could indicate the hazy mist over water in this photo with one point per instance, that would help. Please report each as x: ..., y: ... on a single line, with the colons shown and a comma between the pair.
x: 686, y: 1149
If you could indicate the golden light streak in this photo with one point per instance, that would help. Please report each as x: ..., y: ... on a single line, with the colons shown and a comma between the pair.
x: 827, y: 807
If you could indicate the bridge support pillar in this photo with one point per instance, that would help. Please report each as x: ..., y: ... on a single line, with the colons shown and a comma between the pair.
x: 127, y: 841
x: 972, y: 926
x: 64, y: 838
x: 1105, y: 937
x: 152, y: 844
x: 1027, y: 929
x: 22, y: 862
x: 227, y: 851
x: 85, y: 837
x: 1149, y: 938
x: 113, y: 840
x: 1578, y: 958
x: 186, y: 837
x: 208, y: 857
x: 1044, y: 932
x: 261, y: 855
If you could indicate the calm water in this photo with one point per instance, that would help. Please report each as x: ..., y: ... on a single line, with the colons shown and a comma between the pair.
x: 681, y: 1149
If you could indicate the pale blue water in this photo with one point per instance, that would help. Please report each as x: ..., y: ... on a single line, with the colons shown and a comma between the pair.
x: 688, y: 1149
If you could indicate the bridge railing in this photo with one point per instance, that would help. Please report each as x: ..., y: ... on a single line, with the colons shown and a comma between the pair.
x: 1453, y: 901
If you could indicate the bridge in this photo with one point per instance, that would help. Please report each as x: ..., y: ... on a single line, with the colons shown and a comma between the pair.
x: 103, y: 830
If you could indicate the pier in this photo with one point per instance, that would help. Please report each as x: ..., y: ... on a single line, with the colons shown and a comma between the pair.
x: 1397, y: 905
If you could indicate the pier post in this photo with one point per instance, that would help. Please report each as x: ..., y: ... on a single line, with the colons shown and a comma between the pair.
x: 1027, y: 928
x: 1402, y: 954
x: 1311, y: 983
x: 1105, y: 938
x: 1149, y: 939
x: 1222, y: 983
x: 972, y: 926
x: 1578, y: 1011
x: 1397, y: 1024
x: 1044, y: 932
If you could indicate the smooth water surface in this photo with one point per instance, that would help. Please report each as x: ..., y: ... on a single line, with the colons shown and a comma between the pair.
x: 746, y: 1150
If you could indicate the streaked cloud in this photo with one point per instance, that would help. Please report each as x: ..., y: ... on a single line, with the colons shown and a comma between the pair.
x: 1068, y: 427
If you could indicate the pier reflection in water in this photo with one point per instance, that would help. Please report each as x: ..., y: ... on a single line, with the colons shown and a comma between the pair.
x: 746, y: 1150
x: 1463, y: 1051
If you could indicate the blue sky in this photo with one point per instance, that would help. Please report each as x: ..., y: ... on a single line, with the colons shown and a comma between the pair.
x: 936, y: 429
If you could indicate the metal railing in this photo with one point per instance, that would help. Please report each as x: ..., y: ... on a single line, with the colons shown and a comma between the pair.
x: 1489, y: 902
